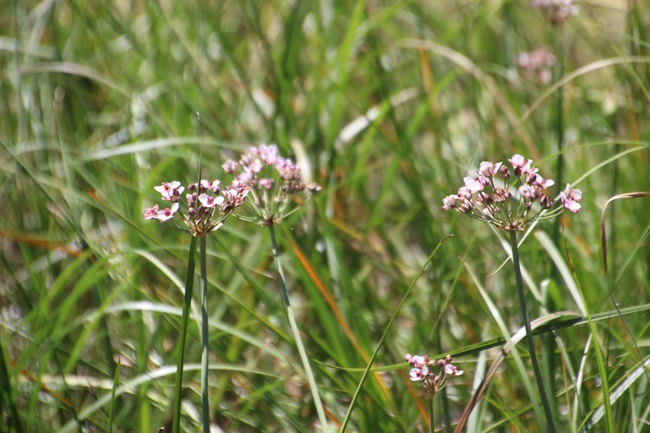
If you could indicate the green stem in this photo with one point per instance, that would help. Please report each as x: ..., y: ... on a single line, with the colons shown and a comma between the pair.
x: 185, y: 319
x: 205, y: 339
x: 432, y: 429
x: 296, y: 334
x: 529, y: 334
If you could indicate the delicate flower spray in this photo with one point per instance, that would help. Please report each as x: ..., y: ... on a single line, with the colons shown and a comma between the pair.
x: 204, y: 210
x: 558, y: 11
x: 273, y: 182
x: 430, y: 382
x: 513, y: 200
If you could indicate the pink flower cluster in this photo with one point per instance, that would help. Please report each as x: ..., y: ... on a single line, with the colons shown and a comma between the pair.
x: 537, y: 64
x: 486, y: 200
x: 272, y: 181
x: 207, y: 205
x: 558, y: 10
x: 431, y: 383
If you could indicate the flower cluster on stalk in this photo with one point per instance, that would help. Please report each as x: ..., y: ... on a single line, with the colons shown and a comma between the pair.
x: 558, y: 11
x: 431, y: 383
x: 537, y: 64
x: 488, y: 198
x: 272, y: 181
x: 206, y: 206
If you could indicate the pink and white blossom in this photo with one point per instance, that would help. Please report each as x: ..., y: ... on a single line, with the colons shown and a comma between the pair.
x: 513, y: 202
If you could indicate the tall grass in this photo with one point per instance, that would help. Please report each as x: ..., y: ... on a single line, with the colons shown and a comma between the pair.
x: 387, y: 105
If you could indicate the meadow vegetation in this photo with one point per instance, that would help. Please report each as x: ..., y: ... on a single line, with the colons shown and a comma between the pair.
x: 386, y: 106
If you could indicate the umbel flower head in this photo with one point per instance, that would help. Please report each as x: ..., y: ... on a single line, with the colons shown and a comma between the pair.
x: 537, y: 64
x: 430, y: 382
x: 486, y: 199
x: 207, y: 205
x: 558, y: 10
x: 272, y: 180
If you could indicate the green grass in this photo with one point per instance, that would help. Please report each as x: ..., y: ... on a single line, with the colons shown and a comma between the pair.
x: 98, y: 104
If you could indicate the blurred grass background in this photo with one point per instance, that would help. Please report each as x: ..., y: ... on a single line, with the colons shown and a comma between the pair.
x: 387, y: 105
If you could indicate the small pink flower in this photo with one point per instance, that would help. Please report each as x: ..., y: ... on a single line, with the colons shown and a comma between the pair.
x: 244, y: 177
x: 255, y: 166
x: 418, y: 361
x: 452, y: 370
x: 538, y: 180
x: 522, y: 165
x: 229, y: 166
x: 570, y: 198
x: 415, y: 374
x: 269, y: 154
x: 473, y: 184
x: 449, y: 202
x: 167, y: 214
x: 209, y: 201
x: 287, y: 169
x: 266, y: 184
x: 214, y: 185
x: 150, y: 212
x: 464, y: 192
x: 573, y: 194
x: 488, y: 169
x: 170, y: 190
x: 313, y: 187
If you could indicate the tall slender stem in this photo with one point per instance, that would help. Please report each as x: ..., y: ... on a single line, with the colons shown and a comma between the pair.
x: 296, y: 334
x: 205, y: 339
x: 185, y: 318
x: 529, y: 334
x: 432, y: 429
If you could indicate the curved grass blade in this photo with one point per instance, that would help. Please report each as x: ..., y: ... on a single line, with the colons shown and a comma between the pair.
x: 560, y: 264
x: 131, y: 385
x: 357, y: 393
x: 628, y: 381
x: 570, y: 77
x: 579, y: 379
x: 467, y: 64
x: 498, y: 361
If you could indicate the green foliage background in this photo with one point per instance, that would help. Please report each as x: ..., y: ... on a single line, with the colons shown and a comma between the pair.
x: 387, y: 105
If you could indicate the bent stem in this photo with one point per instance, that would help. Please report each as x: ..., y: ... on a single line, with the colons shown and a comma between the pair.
x: 296, y: 333
x: 205, y: 402
x: 432, y: 429
x: 185, y: 319
x: 529, y: 334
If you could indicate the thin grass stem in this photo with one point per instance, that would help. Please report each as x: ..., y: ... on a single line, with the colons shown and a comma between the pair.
x: 529, y: 334
x: 205, y: 339
x: 296, y: 333
x: 185, y: 320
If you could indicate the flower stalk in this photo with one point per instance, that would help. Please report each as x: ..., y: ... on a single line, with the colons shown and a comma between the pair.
x: 296, y: 333
x: 205, y: 339
x: 529, y: 334
x: 512, y: 200
x: 432, y: 428
x: 180, y: 357
x: 272, y: 182
x: 206, y: 208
